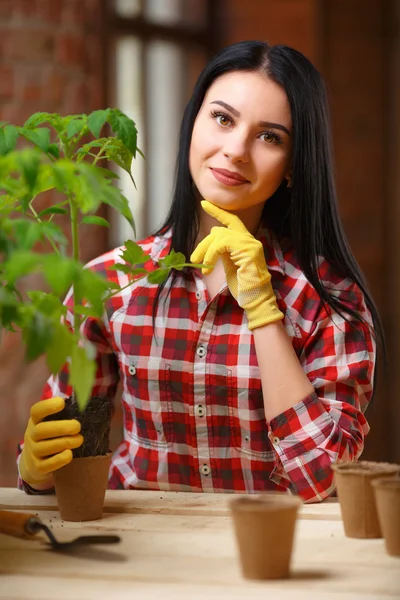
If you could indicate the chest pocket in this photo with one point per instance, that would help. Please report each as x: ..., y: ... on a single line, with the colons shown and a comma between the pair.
x: 147, y: 401
x: 249, y: 431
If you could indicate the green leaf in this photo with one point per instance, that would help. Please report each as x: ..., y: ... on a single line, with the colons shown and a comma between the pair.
x: 59, y: 349
x: 128, y: 269
x: 21, y: 263
x: 47, y: 303
x: 3, y: 144
x: 96, y: 121
x: 133, y: 254
x: 44, y: 181
x: 54, y: 150
x: 93, y: 288
x: 75, y: 127
x: 8, y: 204
x: 158, y: 276
x: 40, y: 137
x: 38, y: 118
x: 87, y: 311
x: 93, y: 144
x: 53, y: 210
x: 87, y: 188
x: 174, y: 260
x: 37, y: 334
x: 9, y: 314
x: 124, y: 128
x: 95, y: 220
x: 82, y: 375
x: 86, y: 148
x: 54, y: 232
x: 121, y: 155
x: 82, y: 180
x: 113, y: 285
x: 27, y: 233
x: 107, y: 172
x: 15, y: 188
x: 64, y: 174
x: 29, y: 163
x: 8, y: 139
x: 60, y: 272
x: 114, y: 197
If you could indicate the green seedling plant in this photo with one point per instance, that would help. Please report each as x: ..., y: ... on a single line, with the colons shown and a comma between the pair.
x: 65, y: 154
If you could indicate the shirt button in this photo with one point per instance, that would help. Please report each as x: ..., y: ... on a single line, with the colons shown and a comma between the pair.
x: 275, y: 440
x: 198, y: 295
x: 132, y: 370
x: 199, y: 410
x: 205, y: 469
x: 201, y: 351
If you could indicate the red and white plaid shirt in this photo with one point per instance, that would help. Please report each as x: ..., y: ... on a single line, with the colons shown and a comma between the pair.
x: 192, y: 399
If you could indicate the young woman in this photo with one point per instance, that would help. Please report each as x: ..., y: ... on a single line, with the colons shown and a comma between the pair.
x: 254, y: 374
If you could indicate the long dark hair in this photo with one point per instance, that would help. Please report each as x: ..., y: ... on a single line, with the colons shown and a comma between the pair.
x: 308, y: 211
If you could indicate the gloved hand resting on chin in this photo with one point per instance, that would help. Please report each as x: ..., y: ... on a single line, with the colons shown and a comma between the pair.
x: 246, y: 271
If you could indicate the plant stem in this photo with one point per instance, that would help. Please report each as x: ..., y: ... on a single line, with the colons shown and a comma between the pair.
x: 75, y: 252
x: 100, y: 152
x: 39, y: 220
x: 145, y: 275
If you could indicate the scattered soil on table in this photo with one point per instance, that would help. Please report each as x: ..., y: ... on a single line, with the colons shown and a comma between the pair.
x: 95, y: 423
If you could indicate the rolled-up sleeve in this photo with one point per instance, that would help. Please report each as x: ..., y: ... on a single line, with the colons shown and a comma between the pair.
x: 328, y: 425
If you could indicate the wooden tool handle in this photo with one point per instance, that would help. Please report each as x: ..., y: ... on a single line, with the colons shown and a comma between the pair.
x: 17, y: 523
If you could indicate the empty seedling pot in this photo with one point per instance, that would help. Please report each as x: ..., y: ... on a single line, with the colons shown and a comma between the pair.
x: 387, y: 496
x: 356, y: 496
x: 264, y: 527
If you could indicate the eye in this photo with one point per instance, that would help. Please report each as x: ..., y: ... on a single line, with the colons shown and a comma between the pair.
x: 221, y: 118
x: 270, y: 137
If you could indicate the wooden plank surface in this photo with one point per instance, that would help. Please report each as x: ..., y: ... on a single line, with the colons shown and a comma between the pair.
x: 137, y: 501
x: 42, y: 588
x: 205, y: 554
x: 182, y: 546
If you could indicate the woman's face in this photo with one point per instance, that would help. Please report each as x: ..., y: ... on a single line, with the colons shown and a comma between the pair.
x: 240, y: 150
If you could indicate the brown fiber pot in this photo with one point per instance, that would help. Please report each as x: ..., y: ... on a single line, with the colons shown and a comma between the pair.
x: 356, y: 495
x: 264, y: 527
x: 81, y: 487
x: 387, y: 496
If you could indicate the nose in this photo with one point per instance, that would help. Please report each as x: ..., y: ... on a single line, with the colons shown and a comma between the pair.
x: 236, y: 147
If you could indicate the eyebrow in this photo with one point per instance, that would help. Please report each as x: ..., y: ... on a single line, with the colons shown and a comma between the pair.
x: 261, y: 123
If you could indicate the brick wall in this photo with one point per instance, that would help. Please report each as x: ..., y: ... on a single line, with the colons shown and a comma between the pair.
x: 291, y: 22
x: 51, y: 59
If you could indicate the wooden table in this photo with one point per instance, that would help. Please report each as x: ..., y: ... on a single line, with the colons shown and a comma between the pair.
x: 181, y: 546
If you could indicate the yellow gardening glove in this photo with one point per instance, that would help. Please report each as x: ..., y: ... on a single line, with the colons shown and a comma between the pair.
x: 47, y: 445
x: 246, y: 271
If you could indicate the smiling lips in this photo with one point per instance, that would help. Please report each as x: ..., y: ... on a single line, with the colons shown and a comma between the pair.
x: 229, y: 177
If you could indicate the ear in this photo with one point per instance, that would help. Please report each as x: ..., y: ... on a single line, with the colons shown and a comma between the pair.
x: 288, y: 177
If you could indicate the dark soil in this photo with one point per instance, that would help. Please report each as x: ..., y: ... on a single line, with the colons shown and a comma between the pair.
x: 95, y: 424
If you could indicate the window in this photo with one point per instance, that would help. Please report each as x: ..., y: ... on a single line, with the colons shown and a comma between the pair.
x: 159, y: 49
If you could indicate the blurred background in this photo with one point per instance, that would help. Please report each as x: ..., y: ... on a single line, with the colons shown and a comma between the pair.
x: 143, y: 56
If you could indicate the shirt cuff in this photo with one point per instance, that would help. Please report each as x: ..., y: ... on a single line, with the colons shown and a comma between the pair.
x: 32, y: 491
x: 301, y: 428
x: 28, y: 489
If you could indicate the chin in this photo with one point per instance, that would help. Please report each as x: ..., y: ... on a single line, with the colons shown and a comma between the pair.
x: 226, y: 201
